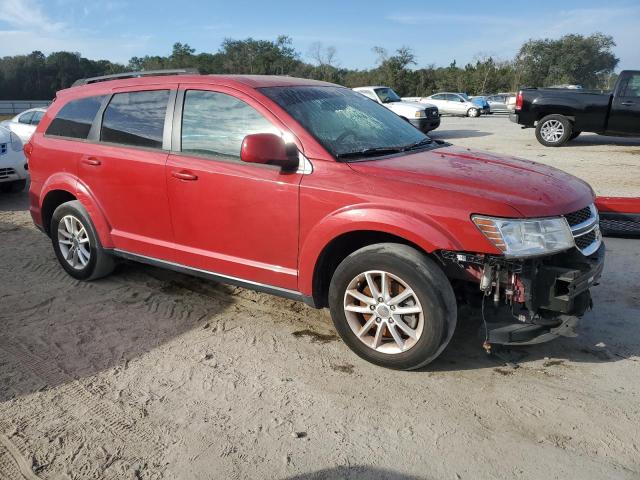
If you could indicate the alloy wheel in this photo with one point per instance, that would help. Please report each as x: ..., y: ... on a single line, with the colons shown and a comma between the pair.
x: 74, y: 242
x: 552, y: 131
x: 383, y: 312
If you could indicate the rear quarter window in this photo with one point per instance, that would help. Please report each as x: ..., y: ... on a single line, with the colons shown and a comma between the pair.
x: 75, y: 118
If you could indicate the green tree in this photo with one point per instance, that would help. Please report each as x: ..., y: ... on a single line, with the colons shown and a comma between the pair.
x: 572, y: 59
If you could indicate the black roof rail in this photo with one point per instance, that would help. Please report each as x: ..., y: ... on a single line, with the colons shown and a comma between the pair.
x: 141, y: 73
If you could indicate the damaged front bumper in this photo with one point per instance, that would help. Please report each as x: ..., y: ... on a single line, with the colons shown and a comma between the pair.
x: 528, y: 301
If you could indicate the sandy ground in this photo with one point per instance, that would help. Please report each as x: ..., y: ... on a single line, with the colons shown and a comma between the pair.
x: 149, y: 374
x: 610, y: 164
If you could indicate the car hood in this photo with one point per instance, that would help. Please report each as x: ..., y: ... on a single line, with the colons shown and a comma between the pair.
x: 532, y: 189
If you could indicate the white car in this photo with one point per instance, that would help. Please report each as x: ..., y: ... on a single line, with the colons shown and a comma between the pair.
x: 25, y: 123
x: 13, y: 163
x: 423, y: 116
x: 451, y: 103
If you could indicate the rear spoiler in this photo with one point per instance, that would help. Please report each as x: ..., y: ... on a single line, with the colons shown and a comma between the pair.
x: 619, y: 216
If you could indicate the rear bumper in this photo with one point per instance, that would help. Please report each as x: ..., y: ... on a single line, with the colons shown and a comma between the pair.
x: 425, y: 124
x: 513, y: 117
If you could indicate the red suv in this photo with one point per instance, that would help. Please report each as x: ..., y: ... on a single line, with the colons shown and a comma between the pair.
x: 311, y: 191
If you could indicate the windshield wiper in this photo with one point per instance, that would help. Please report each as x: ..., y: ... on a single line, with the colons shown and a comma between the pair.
x: 370, y: 152
x: 418, y: 144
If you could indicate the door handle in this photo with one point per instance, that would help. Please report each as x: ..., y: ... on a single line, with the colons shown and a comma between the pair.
x: 93, y: 161
x: 185, y: 176
x: 626, y: 104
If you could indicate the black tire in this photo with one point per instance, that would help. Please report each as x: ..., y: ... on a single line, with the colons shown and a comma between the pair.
x: 425, y: 278
x: 100, y: 262
x: 567, y: 130
x: 13, y: 187
x: 473, y: 112
x: 574, y: 135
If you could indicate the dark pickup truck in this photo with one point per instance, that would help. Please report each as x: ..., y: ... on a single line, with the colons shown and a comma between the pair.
x: 560, y: 115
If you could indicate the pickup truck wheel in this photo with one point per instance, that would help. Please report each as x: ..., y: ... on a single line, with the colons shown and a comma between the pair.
x: 554, y: 130
x: 473, y: 112
x: 392, y: 306
x: 76, y: 243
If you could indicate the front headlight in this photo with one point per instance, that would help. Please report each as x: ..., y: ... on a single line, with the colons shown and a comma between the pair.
x: 526, y: 237
x: 420, y: 114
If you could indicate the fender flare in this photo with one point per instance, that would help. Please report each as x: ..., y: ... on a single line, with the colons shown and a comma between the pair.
x: 71, y: 184
x: 419, y: 230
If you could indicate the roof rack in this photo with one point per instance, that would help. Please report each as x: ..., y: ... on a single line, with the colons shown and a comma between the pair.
x: 142, y: 73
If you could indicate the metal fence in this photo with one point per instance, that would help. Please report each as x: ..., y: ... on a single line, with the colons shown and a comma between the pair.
x: 13, y: 107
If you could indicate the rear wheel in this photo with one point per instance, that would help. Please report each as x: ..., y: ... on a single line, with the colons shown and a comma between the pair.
x: 76, y: 243
x: 554, y: 130
x: 392, y: 306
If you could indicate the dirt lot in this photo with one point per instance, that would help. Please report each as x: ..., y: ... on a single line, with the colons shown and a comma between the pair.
x: 151, y: 374
x: 610, y: 164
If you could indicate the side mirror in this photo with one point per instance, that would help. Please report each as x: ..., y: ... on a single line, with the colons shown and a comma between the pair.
x: 269, y: 149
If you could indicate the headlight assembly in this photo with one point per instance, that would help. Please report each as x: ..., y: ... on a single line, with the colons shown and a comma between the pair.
x: 420, y: 114
x: 526, y: 237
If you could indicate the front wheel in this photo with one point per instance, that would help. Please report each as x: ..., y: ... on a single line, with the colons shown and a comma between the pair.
x: 554, y: 130
x: 473, y: 112
x: 393, y: 306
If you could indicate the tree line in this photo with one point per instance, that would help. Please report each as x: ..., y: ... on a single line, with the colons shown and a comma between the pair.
x: 571, y: 59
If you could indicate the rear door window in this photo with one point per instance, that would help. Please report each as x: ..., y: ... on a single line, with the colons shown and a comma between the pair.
x: 135, y: 118
x: 216, y: 123
x: 75, y: 118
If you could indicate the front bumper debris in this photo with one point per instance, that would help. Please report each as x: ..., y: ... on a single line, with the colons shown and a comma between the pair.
x: 528, y: 301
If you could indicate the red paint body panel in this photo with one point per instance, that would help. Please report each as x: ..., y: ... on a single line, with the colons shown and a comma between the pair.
x: 258, y: 223
x: 618, y: 204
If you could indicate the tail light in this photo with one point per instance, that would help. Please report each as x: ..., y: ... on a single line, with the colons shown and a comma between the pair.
x: 519, y: 101
x: 28, y: 149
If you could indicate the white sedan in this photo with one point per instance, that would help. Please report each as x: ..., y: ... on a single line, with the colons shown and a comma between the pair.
x: 13, y: 163
x: 25, y: 123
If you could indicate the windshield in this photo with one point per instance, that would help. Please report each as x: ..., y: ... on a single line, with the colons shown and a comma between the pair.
x: 386, y: 95
x: 346, y: 123
x: 465, y: 96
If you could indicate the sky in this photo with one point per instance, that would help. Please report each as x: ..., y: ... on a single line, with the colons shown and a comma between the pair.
x: 437, y: 32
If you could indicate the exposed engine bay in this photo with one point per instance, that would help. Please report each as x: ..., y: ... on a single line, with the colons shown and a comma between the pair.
x: 525, y: 301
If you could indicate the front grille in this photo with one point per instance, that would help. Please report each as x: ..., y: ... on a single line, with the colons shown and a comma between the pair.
x: 585, y: 229
x: 620, y: 224
x: 586, y: 240
x: 431, y: 112
x: 5, y: 172
x: 3, y: 148
x: 578, y: 217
